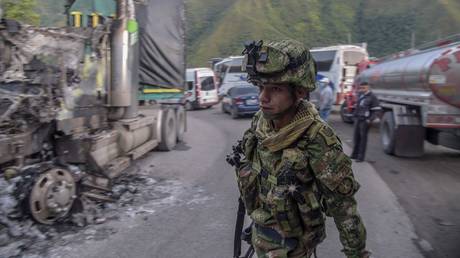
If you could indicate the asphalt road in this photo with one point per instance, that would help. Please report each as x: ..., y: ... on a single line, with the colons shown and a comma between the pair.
x: 428, y: 188
x: 197, y: 217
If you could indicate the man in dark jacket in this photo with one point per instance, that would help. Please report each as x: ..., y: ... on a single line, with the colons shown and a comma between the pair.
x: 367, y: 109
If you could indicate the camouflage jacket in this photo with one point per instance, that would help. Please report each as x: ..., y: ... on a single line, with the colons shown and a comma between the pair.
x: 293, y: 188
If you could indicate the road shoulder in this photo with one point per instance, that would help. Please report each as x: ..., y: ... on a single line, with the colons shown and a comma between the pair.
x: 390, y: 233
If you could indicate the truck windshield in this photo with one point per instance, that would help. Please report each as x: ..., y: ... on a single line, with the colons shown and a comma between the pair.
x: 207, y: 83
x: 353, y: 57
x: 324, y: 59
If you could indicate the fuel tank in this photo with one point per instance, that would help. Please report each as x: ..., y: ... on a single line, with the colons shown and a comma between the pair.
x: 431, y: 72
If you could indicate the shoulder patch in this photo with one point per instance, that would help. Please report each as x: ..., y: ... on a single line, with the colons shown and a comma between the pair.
x: 328, y: 135
x: 314, y: 129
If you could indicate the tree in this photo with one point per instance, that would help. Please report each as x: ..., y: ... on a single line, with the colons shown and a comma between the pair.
x: 21, y: 10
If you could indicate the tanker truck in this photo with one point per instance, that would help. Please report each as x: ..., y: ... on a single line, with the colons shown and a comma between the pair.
x: 419, y: 92
x: 79, y: 104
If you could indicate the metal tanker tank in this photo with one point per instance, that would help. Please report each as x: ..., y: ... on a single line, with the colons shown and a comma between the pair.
x: 420, y: 93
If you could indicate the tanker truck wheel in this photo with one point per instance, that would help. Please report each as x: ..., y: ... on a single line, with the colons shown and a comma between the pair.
x: 180, y: 118
x: 168, y: 130
x: 345, y: 115
x: 387, y: 133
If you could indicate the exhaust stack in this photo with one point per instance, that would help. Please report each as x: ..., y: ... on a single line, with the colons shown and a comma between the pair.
x: 124, y: 61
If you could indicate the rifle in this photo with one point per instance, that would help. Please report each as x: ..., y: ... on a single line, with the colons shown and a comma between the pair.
x: 234, y: 159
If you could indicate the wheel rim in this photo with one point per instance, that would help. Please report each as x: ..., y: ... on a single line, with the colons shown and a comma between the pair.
x: 52, y: 196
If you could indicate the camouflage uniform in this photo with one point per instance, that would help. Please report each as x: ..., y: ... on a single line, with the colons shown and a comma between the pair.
x: 293, y: 177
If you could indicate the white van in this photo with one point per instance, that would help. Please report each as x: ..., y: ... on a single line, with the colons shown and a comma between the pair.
x: 201, y: 88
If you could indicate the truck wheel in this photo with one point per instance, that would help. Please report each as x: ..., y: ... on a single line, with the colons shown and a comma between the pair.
x: 387, y: 133
x: 180, y: 118
x: 344, y: 114
x: 188, y: 106
x: 168, y: 131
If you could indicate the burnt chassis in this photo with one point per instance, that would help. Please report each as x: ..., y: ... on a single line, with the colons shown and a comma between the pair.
x: 69, y: 123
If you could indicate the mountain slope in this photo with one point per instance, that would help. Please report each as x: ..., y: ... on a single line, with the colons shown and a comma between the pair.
x: 218, y: 28
x: 387, y: 26
x: 310, y: 21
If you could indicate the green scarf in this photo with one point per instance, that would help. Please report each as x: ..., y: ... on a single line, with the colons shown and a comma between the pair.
x: 278, y: 140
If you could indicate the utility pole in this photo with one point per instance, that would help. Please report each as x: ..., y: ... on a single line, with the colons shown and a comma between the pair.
x: 349, y: 37
x: 412, y: 40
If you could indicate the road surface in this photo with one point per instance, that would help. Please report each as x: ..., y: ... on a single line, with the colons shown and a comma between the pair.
x: 197, y: 217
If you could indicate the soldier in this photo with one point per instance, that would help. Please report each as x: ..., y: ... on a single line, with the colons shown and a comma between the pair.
x: 294, y: 171
x: 367, y: 108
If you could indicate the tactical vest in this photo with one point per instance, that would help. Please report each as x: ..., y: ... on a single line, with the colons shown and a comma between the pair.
x: 281, y: 188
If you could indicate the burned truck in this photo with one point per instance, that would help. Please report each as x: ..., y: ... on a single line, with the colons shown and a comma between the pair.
x: 79, y: 104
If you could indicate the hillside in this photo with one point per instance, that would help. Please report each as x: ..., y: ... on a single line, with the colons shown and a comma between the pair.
x: 219, y: 27
x: 387, y: 26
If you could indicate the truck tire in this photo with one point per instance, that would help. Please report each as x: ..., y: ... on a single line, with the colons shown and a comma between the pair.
x: 168, y: 130
x: 180, y: 118
x: 188, y: 106
x: 346, y: 118
x: 387, y: 133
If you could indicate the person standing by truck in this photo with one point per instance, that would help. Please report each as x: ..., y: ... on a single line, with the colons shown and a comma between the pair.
x: 326, y: 98
x: 367, y: 108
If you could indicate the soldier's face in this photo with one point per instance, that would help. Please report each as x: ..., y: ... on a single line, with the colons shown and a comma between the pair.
x: 275, y: 100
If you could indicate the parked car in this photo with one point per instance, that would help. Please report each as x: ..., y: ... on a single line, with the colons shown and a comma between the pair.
x: 228, y: 85
x: 241, y: 100
x: 201, y: 89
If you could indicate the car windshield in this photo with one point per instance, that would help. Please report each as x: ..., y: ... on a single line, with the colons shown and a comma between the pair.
x: 235, y: 69
x: 245, y: 90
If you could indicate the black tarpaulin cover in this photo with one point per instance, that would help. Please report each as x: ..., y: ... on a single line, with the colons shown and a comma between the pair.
x: 162, y: 43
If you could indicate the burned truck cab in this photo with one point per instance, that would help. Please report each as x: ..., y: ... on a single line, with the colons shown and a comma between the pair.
x: 69, y: 116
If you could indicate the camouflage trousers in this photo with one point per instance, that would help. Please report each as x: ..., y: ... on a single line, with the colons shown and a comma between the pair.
x: 268, y: 247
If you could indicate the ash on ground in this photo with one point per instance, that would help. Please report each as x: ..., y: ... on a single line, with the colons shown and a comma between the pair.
x: 136, y: 194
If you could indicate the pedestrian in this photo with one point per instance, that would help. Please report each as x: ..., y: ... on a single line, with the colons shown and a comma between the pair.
x: 326, y: 98
x: 366, y: 110
x: 294, y: 171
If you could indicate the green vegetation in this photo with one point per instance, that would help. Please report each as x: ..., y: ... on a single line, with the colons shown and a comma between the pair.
x: 52, y: 12
x: 218, y: 28
x: 387, y: 26
x: 21, y: 10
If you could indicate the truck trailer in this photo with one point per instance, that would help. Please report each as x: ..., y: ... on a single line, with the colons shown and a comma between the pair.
x: 419, y: 91
x: 79, y: 104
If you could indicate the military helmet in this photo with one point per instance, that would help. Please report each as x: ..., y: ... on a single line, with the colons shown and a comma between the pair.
x: 279, y: 62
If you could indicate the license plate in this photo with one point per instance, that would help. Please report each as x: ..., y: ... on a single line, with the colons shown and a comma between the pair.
x: 252, y: 102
